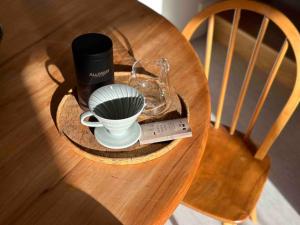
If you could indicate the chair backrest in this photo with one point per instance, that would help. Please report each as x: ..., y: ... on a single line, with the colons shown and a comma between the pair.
x: 292, y: 38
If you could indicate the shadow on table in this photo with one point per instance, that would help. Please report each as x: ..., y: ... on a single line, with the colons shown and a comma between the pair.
x: 32, y: 186
x: 87, y: 210
x: 33, y: 167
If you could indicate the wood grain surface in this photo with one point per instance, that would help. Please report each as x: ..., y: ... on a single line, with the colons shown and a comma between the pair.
x: 42, y: 180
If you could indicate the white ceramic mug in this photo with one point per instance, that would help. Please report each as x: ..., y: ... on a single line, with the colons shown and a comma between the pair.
x: 116, y: 127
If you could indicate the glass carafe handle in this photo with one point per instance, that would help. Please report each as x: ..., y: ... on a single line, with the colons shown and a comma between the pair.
x: 163, y: 76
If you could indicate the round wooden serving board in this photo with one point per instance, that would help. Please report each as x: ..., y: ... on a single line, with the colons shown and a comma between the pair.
x: 82, y: 137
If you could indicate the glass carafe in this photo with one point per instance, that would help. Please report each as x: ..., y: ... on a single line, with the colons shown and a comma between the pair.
x: 150, y: 78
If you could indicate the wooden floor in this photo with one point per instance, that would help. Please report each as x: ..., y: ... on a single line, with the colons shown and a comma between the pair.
x: 280, y: 201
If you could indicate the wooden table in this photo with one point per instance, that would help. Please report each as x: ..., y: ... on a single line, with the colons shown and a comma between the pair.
x: 42, y: 180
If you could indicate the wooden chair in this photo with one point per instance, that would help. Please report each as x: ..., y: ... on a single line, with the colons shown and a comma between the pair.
x: 233, y: 170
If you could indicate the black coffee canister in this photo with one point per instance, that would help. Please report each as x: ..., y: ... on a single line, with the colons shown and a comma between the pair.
x: 93, y: 60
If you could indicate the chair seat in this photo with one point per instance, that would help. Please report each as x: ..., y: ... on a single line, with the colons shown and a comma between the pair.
x: 229, y: 180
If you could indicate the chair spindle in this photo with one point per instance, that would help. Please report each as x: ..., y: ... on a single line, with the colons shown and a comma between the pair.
x: 209, y: 41
x: 267, y: 88
x: 279, y: 124
x: 234, y: 29
x: 248, y: 75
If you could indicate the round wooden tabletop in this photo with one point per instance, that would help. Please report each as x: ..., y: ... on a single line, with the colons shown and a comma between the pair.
x: 42, y: 181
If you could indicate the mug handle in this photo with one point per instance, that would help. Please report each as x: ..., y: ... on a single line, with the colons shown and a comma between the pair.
x: 88, y: 123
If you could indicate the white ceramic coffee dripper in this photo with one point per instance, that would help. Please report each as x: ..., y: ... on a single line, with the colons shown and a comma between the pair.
x: 116, y: 127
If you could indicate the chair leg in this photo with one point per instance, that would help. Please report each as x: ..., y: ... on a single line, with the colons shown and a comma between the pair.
x: 253, y: 216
